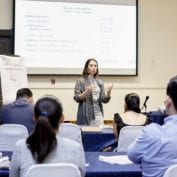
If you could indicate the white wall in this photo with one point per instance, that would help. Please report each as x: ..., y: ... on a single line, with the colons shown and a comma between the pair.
x: 6, y: 14
x: 157, y: 61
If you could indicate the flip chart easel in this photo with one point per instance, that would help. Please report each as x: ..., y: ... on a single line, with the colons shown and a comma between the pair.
x: 13, y: 77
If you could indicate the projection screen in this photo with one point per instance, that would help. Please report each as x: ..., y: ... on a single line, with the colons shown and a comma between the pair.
x: 58, y: 37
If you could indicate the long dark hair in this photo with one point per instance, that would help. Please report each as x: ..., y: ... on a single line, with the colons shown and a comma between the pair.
x: 132, y: 101
x: 47, y: 111
x: 85, y: 70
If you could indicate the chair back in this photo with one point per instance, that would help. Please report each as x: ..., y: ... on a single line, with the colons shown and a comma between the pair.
x: 53, y: 170
x: 171, y: 171
x: 127, y: 135
x: 71, y: 131
x: 10, y: 134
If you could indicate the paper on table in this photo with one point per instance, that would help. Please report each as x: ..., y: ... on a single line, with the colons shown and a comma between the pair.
x: 87, y: 164
x: 4, y: 162
x: 118, y: 159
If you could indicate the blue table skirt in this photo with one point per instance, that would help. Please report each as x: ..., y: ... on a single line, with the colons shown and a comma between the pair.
x: 98, y: 168
x: 5, y: 172
x: 156, y: 117
x: 95, y: 141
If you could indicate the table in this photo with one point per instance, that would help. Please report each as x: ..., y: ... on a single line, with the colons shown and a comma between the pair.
x: 94, y: 141
x: 156, y: 117
x: 97, y: 168
x: 5, y: 172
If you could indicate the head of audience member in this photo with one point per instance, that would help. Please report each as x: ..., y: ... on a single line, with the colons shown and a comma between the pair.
x: 91, y: 68
x: 132, y: 103
x: 25, y: 93
x: 171, y: 98
x: 48, y: 114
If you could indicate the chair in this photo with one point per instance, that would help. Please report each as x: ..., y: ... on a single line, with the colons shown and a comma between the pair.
x: 10, y: 134
x: 53, y: 170
x: 127, y: 135
x: 71, y: 131
x: 171, y: 171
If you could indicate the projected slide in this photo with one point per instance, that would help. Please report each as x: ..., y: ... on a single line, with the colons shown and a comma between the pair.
x: 58, y: 37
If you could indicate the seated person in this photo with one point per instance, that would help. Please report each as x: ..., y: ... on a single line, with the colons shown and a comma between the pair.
x: 131, y: 116
x: 20, y: 111
x: 155, y: 148
x: 43, y: 145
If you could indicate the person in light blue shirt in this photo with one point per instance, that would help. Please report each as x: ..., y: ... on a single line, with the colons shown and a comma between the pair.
x: 156, y: 147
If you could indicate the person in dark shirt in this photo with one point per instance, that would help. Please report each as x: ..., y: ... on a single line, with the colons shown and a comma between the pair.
x: 19, y: 111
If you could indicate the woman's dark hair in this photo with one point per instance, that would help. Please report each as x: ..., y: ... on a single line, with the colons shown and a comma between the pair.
x: 85, y: 70
x: 47, y: 111
x: 132, y: 101
x: 172, y: 90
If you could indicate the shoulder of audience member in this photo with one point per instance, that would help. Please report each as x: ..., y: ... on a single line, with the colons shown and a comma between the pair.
x: 152, y: 130
x: 68, y: 141
x: 20, y: 143
x: 143, y: 115
x: 7, y: 105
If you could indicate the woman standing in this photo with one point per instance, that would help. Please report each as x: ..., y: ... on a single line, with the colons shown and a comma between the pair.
x: 90, y: 94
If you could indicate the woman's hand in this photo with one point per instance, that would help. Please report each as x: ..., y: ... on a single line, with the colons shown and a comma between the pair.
x: 87, y: 91
x: 109, y: 89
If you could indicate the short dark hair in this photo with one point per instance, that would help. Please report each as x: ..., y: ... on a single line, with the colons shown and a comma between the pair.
x: 172, y: 90
x: 132, y: 101
x: 85, y: 70
x: 24, y: 92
